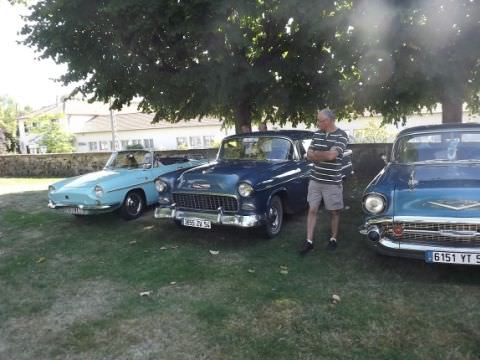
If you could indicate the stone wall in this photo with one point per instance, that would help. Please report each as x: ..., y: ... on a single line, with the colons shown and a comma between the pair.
x: 366, y: 162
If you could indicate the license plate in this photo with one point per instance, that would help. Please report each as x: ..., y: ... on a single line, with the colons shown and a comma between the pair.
x: 73, y: 210
x: 452, y: 257
x: 198, y: 223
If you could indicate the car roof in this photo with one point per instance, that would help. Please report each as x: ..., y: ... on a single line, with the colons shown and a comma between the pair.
x: 439, y: 128
x: 292, y: 134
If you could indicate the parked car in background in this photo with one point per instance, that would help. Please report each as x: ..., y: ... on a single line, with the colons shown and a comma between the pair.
x: 256, y: 178
x: 126, y: 183
x: 425, y: 203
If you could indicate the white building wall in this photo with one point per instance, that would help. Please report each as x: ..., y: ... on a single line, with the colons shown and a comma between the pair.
x: 162, y: 138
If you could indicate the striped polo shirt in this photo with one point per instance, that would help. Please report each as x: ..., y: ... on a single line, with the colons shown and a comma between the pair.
x: 329, y: 172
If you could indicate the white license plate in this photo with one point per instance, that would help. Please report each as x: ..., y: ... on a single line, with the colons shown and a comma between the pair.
x: 73, y: 210
x: 198, y: 223
x: 452, y: 257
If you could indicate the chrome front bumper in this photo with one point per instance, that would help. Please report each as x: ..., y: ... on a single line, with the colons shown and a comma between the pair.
x: 392, y: 247
x: 219, y: 218
x: 83, y: 209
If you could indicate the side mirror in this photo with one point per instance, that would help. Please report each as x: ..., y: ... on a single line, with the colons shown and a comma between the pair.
x: 384, y: 158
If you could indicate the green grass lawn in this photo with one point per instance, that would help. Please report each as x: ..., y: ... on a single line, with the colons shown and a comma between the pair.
x: 71, y: 288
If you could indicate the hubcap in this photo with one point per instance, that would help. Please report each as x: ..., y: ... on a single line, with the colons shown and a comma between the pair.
x: 134, y: 204
x: 274, y: 218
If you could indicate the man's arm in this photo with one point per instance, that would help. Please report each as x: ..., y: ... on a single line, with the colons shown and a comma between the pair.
x: 318, y: 155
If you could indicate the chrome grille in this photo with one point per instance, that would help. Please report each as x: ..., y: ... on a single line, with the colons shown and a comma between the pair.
x: 205, y: 202
x: 434, y: 233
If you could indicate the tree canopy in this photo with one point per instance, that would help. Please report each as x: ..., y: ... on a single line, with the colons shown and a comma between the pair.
x: 239, y: 60
x: 259, y: 60
x: 416, y: 53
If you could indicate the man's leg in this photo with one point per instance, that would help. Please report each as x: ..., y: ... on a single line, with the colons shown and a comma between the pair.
x: 311, y: 221
x: 335, y: 220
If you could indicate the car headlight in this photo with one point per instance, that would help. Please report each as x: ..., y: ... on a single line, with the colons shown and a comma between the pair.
x: 51, y: 188
x: 160, y: 185
x: 98, y: 191
x: 245, y: 189
x: 374, y: 203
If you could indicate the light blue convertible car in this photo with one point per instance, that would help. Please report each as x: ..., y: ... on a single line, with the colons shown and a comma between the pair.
x: 126, y: 183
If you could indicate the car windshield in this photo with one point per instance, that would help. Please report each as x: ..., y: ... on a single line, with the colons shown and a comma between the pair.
x: 260, y: 148
x: 438, y: 147
x: 135, y: 159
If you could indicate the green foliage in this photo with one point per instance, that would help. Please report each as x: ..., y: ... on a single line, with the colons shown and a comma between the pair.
x: 240, y: 61
x: 373, y: 133
x: 267, y: 60
x: 415, y: 54
x: 52, y: 136
x: 8, y: 122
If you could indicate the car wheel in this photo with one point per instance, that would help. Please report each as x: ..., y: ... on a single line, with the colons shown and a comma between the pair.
x: 274, y: 220
x: 133, y: 205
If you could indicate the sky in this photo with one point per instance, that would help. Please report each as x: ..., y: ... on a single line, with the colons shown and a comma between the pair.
x: 27, y: 80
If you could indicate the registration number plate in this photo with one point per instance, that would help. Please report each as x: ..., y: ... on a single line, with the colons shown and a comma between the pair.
x: 198, y: 223
x: 73, y: 210
x: 452, y: 257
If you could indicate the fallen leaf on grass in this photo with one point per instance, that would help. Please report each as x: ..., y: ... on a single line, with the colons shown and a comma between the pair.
x: 163, y: 248
x: 335, y: 299
x: 251, y: 271
x: 174, y: 247
x: 173, y: 282
x: 133, y: 242
x: 148, y: 227
x: 41, y: 259
x: 214, y: 252
x: 145, y: 293
x: 283, y: 270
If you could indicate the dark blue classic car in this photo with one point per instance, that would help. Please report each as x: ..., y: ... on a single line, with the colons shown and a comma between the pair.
x: 256, y: 178
x: 425, y: 203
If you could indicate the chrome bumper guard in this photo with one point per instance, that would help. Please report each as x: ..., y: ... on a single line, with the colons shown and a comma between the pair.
x: 244, y: 221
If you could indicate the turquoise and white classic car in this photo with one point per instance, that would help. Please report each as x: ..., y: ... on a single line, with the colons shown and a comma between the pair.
x: 126, y: 183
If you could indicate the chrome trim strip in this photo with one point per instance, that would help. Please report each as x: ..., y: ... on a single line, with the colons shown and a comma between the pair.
x: 436, y: 220
x: 80, y: 206
x: 451, y: 207
x: 215, y: 218
x: 445, y: 233
x: 394, y: 245
x: 379, y: 220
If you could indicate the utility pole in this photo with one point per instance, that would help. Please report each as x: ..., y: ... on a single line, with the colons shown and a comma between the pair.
x: 113, y: 122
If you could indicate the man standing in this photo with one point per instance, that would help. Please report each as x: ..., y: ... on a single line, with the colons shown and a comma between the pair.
x: 326, y: 152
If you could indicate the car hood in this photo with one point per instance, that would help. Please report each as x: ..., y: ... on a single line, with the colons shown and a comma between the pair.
x: 223, y: 176
x: 438, y: 191
x: 91, y: 179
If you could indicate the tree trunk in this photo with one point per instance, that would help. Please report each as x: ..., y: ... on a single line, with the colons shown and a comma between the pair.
x: 452, y: 110
x: 243, y: 118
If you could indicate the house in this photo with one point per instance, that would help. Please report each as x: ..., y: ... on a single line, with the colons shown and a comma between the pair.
x: 137, y: 129
x: 28, y: 140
